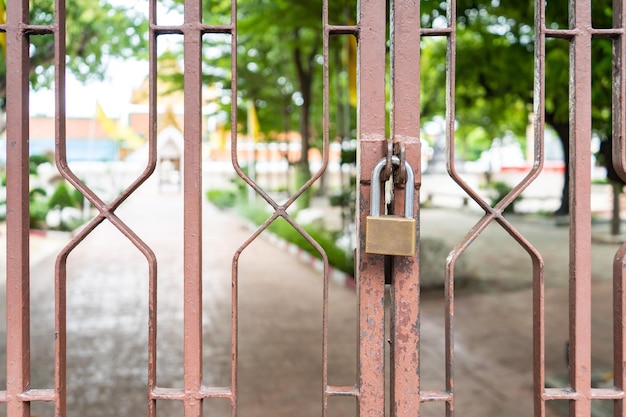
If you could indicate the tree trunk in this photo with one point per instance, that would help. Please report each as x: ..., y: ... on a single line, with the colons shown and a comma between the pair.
x: 304, y: 68
x: 616, y: 221
x: 562, y: 130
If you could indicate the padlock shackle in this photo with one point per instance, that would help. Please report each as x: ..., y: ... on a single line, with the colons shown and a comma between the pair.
x: 409, y: 196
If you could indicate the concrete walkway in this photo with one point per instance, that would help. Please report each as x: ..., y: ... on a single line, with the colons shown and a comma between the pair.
x: 280, y: 317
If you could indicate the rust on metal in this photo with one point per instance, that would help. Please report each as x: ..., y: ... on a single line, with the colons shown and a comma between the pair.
x: 619, y: 158
x: 492, y: 214
x: 580, y: 210
x: 17, y: 223
x: 192, y: 180
x: 405, y: 134
x: 406, y: 395
x: 371, y: 124
x: 539, y: 373
x: 60, y: 288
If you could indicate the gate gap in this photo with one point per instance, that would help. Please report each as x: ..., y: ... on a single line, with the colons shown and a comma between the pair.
x: 502, y: 289
x: 40, y: 408
x: 216, y: 12
x: 281, y: 355
x: 44, y: 246
x: 487, y: 286
x: 434, y: 15
x: 3, y: 315
x: 3, y: 259
x: 556, y: 269
x: 342, y: 406
x: 433, y: 68
x: 216, y: 407
x: 223, y: 196
x: 341, y: 14
x: 557, y: 408
x: 107, y: 314
x: 170, y: 13
x: 432, y: 336
x: 557, y: 14
x: 480, y: 354
x: 602, y: 15
x: 607, y: 227
x: 219, y: 181
x: 432, y: 409
x: 388, y: 348
x: 216, y: 291
x: 173, y: 409
x: 170, y: 285
x: 342, y: 331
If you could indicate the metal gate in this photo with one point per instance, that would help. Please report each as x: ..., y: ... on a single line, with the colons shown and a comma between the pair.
x: 405, y: 393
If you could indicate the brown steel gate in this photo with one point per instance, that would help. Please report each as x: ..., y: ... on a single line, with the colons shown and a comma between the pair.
x: 405, y: 393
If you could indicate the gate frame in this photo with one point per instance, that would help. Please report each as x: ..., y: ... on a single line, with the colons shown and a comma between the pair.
x: 406, y: 395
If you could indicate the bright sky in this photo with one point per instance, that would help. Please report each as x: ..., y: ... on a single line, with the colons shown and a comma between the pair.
x: 113, y: 92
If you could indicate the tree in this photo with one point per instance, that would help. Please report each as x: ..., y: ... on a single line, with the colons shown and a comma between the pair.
x: 96, y: 32
x: 279, y: 66
x: 494, y: 76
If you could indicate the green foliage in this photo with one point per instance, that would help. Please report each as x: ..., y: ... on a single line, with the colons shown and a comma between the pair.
x: 97, y: 32
x: 495, y: 67
x: 231, y: 196
x: 348, y: 156
x: 257, y: 213
x: 38, y: 208
x: 62, y: 197
x: 222, y: 198
x: 35, y: 160
x: 279, y: 67
x: 77, y: 198
x: 40, y: 204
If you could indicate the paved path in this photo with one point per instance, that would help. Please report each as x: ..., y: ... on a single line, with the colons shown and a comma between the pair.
x: 280, y: 316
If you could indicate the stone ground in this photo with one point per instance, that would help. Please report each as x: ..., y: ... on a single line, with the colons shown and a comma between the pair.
x: 280, y: 317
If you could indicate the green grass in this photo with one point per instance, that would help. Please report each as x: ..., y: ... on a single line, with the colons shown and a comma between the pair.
x: 337, y: 257
x: 257, y: 214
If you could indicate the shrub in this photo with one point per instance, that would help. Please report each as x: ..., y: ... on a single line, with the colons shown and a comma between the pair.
x: 501, y: 189
x: 38, y: 208
x: 35, y: 160
x: 222, y: 198
x: 61, y: 197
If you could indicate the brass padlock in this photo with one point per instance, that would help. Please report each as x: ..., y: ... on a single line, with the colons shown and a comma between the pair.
x: 391, y: 234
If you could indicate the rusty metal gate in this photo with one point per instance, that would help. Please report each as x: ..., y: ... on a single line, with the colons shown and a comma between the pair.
x: 405, y: 394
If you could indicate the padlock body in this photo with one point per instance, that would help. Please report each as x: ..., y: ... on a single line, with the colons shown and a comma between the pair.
x: 390, y: 235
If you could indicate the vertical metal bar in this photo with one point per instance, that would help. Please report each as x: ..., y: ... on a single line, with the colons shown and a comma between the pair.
x: 405, y: 124
x: 325, y: 132
x: 235, y: 275
x: 60, y: 308
x: 60, y: 321
x: 17, y: 223
x: 370, y: 277
x: 449, y: 278
x: 193, y: 208
x: 619, y: 332
x: 580, y: 210
x: 539, y: 376
x: 152, y: 117
x: 619, y: 146
x: 619, y: 89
